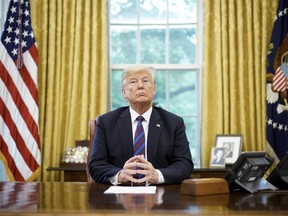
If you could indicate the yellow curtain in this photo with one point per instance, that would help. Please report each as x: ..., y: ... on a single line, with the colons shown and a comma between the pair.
x: 236, y: 37
x: 72, y: 72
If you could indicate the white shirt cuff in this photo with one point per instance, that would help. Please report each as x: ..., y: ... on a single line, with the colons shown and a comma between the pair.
x: 114, y: 179
x: 161, y: 179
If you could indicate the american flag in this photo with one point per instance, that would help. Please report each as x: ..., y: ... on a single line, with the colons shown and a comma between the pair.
x: 277, y: 84
x: 19, y: 130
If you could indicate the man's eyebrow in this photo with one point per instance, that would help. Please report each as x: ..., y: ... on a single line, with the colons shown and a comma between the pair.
x: 145, y: 77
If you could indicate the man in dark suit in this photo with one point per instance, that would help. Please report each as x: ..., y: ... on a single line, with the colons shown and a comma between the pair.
x: 166, y: 157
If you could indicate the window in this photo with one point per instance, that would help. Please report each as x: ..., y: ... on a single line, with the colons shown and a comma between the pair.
x: 165, y: 34
x: 3, y: 12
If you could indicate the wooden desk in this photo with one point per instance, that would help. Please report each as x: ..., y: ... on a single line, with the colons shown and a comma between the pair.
x: 209, y: 173
x: 71, y: 198
x: 72, y: 173
x: 77, y: 173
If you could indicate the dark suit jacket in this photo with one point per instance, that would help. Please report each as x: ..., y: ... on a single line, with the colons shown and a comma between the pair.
x: 167, y: 145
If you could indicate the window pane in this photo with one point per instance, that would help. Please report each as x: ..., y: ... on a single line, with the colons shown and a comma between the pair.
x: 123, y: 11
x: 152, y: 46
x: 183, y: 44
x: 191, y: 125
x: 183, y: 92
x: 123, y: 44
x: 177, y: 91
x: 161, y: 97
x: 152, y: 11
x: 175, y: 88
x: 118, y: 100
x: 182, y: 11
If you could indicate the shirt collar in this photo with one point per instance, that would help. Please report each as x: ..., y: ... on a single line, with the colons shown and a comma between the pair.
x: 146, y: 115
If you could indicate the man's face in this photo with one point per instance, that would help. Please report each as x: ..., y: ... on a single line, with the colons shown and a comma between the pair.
x: 220, y: 153
x: 227, y: 146
x: 139, y: 88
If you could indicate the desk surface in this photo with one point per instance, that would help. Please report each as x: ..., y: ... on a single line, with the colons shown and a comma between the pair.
x: 82, y: 167
x: 70, y: 198
x: 77, y: 172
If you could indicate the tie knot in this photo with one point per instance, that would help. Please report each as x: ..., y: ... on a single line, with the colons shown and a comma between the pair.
x: 140, y: 118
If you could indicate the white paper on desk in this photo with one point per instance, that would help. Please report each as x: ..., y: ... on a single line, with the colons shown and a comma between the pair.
x: 131, y: 190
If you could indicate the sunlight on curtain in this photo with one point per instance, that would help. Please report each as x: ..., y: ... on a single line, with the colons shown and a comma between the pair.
x: 72, y: 72
x: 236, y: 37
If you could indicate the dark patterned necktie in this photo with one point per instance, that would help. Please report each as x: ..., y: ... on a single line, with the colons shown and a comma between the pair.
x: 139, y: 138
x: 139, y: 142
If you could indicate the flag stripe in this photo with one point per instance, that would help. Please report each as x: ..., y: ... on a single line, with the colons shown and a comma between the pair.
x: 20, y: 84
x: 16, y: 133
x: 27, y: 117
x: 8, y: 158
x: 34, y: 54
x: 22, y: 131
x: 26, y: 76
x: 279, y: 81
x: 30, y: 63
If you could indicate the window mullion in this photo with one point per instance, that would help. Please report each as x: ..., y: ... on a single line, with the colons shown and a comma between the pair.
x: 138, y: 34
x: 167, y: 90
x: 167, y: 48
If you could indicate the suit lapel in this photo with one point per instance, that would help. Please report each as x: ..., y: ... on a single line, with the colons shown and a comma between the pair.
x: 155, y: 128
x: 125, y: 129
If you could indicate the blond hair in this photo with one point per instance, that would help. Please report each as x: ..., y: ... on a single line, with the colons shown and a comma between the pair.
x: 134, y: 69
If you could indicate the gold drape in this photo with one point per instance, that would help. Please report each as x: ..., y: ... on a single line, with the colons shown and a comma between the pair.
x: 236, y: 37
x: 72, y: 72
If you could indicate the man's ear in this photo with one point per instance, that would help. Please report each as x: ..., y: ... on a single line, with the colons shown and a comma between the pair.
x: 124, y: 94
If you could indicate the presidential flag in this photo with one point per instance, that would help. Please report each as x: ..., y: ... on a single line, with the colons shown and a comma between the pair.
x: 19, y: 130
x: 277, y: 83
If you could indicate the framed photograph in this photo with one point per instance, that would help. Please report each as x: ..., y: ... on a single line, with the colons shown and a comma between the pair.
x: 232, y: 145
x: 217, y: 158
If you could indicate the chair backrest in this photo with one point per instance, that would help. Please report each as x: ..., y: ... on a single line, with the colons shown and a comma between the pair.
x: 92, y: 131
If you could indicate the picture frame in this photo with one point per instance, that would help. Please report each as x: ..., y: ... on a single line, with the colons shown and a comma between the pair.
x: 232, y: 144
x: 217, y: 158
